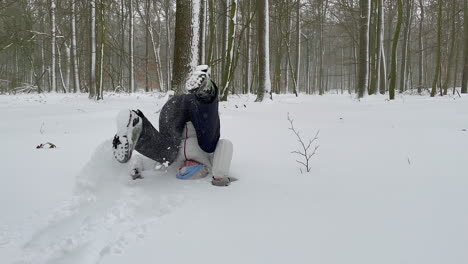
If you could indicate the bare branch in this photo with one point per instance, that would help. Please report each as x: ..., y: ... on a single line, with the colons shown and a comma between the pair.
x: 304, y: 152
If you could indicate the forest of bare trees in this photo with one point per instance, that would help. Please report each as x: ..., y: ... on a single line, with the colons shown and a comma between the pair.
x: 261, y: 47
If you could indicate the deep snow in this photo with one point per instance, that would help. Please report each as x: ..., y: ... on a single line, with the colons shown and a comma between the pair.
x: 388, y: 185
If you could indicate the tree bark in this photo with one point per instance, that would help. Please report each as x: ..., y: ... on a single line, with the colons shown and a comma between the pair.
x: 363, y: 77
x: 421, y: 83
x: 53, y: 44
x: 92, y: 74
x: 131, y: 48
x: 76, y: 76
x: 183, y: 48
x: 391, y: 88
x: 439, y: 53
x: 464, y: 87
x: 404, y: 46
x: 298, y: 45
x: 381, y: 60
x: 451, y: 51
x: 228, y: 64
x: 264, y: 83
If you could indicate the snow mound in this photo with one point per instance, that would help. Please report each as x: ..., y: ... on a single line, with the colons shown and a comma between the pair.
x: 107, y: 212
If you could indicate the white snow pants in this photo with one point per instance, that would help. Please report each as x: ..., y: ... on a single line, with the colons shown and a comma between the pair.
x: 218, y: 162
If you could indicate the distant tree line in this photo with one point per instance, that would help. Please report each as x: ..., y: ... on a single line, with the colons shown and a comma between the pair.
x: 254, y: 46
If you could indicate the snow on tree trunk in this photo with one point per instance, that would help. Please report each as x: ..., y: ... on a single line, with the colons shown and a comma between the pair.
x: 195, y: 40
x: 92, y: 74
x: 76, y: 77
x: 53, y: 42
x: 202, y: 32
x: 131, y: 48
x: 363, y: 78
x: 264, y: 85
x: 186, y: 42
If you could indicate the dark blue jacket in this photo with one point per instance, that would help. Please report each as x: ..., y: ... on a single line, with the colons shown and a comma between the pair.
x: 204, y: 116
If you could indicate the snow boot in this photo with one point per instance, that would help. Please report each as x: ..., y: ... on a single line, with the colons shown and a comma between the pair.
x: 191, y: 170
x: 129, y: 127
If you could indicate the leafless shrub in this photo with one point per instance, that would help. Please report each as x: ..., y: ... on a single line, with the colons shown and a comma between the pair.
x: 305, y: 151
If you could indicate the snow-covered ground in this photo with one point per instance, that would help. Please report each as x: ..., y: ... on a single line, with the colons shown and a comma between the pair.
x: 389, y: 184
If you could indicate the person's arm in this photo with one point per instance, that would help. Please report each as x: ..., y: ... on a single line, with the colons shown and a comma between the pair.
x: 205, y: 118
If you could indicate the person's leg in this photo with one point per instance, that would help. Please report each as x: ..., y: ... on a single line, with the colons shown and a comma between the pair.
x: 155, y: 145
x: 222, y: 162
x: 135, y: 132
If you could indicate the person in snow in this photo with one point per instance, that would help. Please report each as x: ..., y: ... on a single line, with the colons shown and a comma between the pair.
x: 189, y: 132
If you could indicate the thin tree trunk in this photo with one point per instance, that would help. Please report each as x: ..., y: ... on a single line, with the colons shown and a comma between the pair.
x: 168, y: 47
x: 122, y: 43
x: 439, y: 44
x: 363, y: 78
x: 76, y: 76
x: 202, y: 32
x: 248, y: 61
x: 264, y: 84
x: 53, y: 44
x: 298, y: 45
x: 147, y: 53
x: 452, y: 38
x: 382, y: 66
x: 92, y: 75
x: 131, y: 48
x: 228, y: 64
x: 464, y: 87
x: 421, y: 83
x: 59, y: 62
x: 393, y: 71
x: 404, y: 46
x: 102, y: 34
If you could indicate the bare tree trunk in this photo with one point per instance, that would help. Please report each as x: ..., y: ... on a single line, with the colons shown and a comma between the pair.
x: 264, y: 84
x: 439, y: 44
x: 298, y: 45
x: 92, y: 74
x: 183, y: 49
x: 122, y: 43
x: 381, y: 61
x: 76, y: 76
x: 168, y: 46
x: 393, y: 71
x: 202, y: 32
x: 452, y: 38
x: 102, y: 34
x: 53, y: 42
x: 404, y: 46
x: 131, y: 48
x: 228, y: 63
x: 248, y: 61
x: 59, y: 62
x: 147, y: 54
x: 464, y: 87
x: 421, y: 83
x: 363, y: 78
